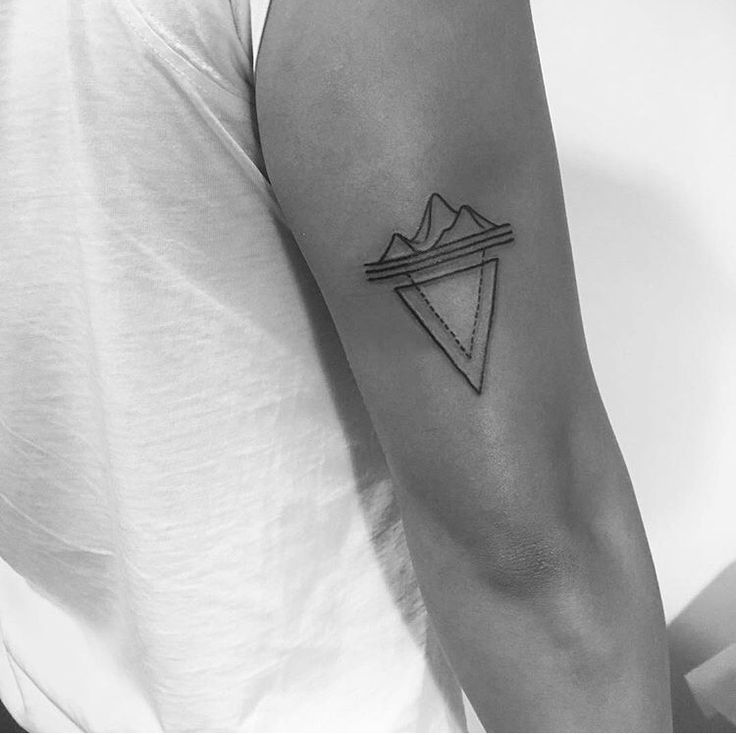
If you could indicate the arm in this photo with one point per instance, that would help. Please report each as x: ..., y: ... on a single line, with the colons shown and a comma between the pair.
x: 517, y: 506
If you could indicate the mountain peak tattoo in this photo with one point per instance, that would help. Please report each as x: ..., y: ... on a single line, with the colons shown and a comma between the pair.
x: 447, y: 279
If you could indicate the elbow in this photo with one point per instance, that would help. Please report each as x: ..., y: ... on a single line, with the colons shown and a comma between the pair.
x: 569, y: 576
x: 525, y: 537
x: 525, y: 559
x: 569, y: 583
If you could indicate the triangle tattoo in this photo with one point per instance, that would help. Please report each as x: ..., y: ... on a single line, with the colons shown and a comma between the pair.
x: 447, y: 274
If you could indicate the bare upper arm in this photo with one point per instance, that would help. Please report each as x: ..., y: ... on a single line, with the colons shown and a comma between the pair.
x: 367, y: 108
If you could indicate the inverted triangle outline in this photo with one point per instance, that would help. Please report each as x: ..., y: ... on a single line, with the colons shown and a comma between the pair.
x: 467, y: 349
x: 472, y: 367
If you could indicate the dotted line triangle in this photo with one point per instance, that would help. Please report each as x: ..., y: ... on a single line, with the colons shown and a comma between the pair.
x: 468, y: 356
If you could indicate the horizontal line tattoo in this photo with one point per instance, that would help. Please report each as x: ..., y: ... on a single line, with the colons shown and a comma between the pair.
x: 447, y: 280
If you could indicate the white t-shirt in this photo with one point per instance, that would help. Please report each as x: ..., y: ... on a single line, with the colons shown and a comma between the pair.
x: 197, y: 525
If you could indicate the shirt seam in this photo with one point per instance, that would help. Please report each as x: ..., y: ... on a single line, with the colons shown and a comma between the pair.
x: 163, y: 50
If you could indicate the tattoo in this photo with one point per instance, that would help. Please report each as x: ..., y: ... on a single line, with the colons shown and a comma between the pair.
x: 447, y: 280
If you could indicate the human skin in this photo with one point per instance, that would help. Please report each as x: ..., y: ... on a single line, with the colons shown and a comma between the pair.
x: 518, y: 509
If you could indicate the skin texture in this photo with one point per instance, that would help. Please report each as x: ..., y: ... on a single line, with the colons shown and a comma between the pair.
x: 518, y: 509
